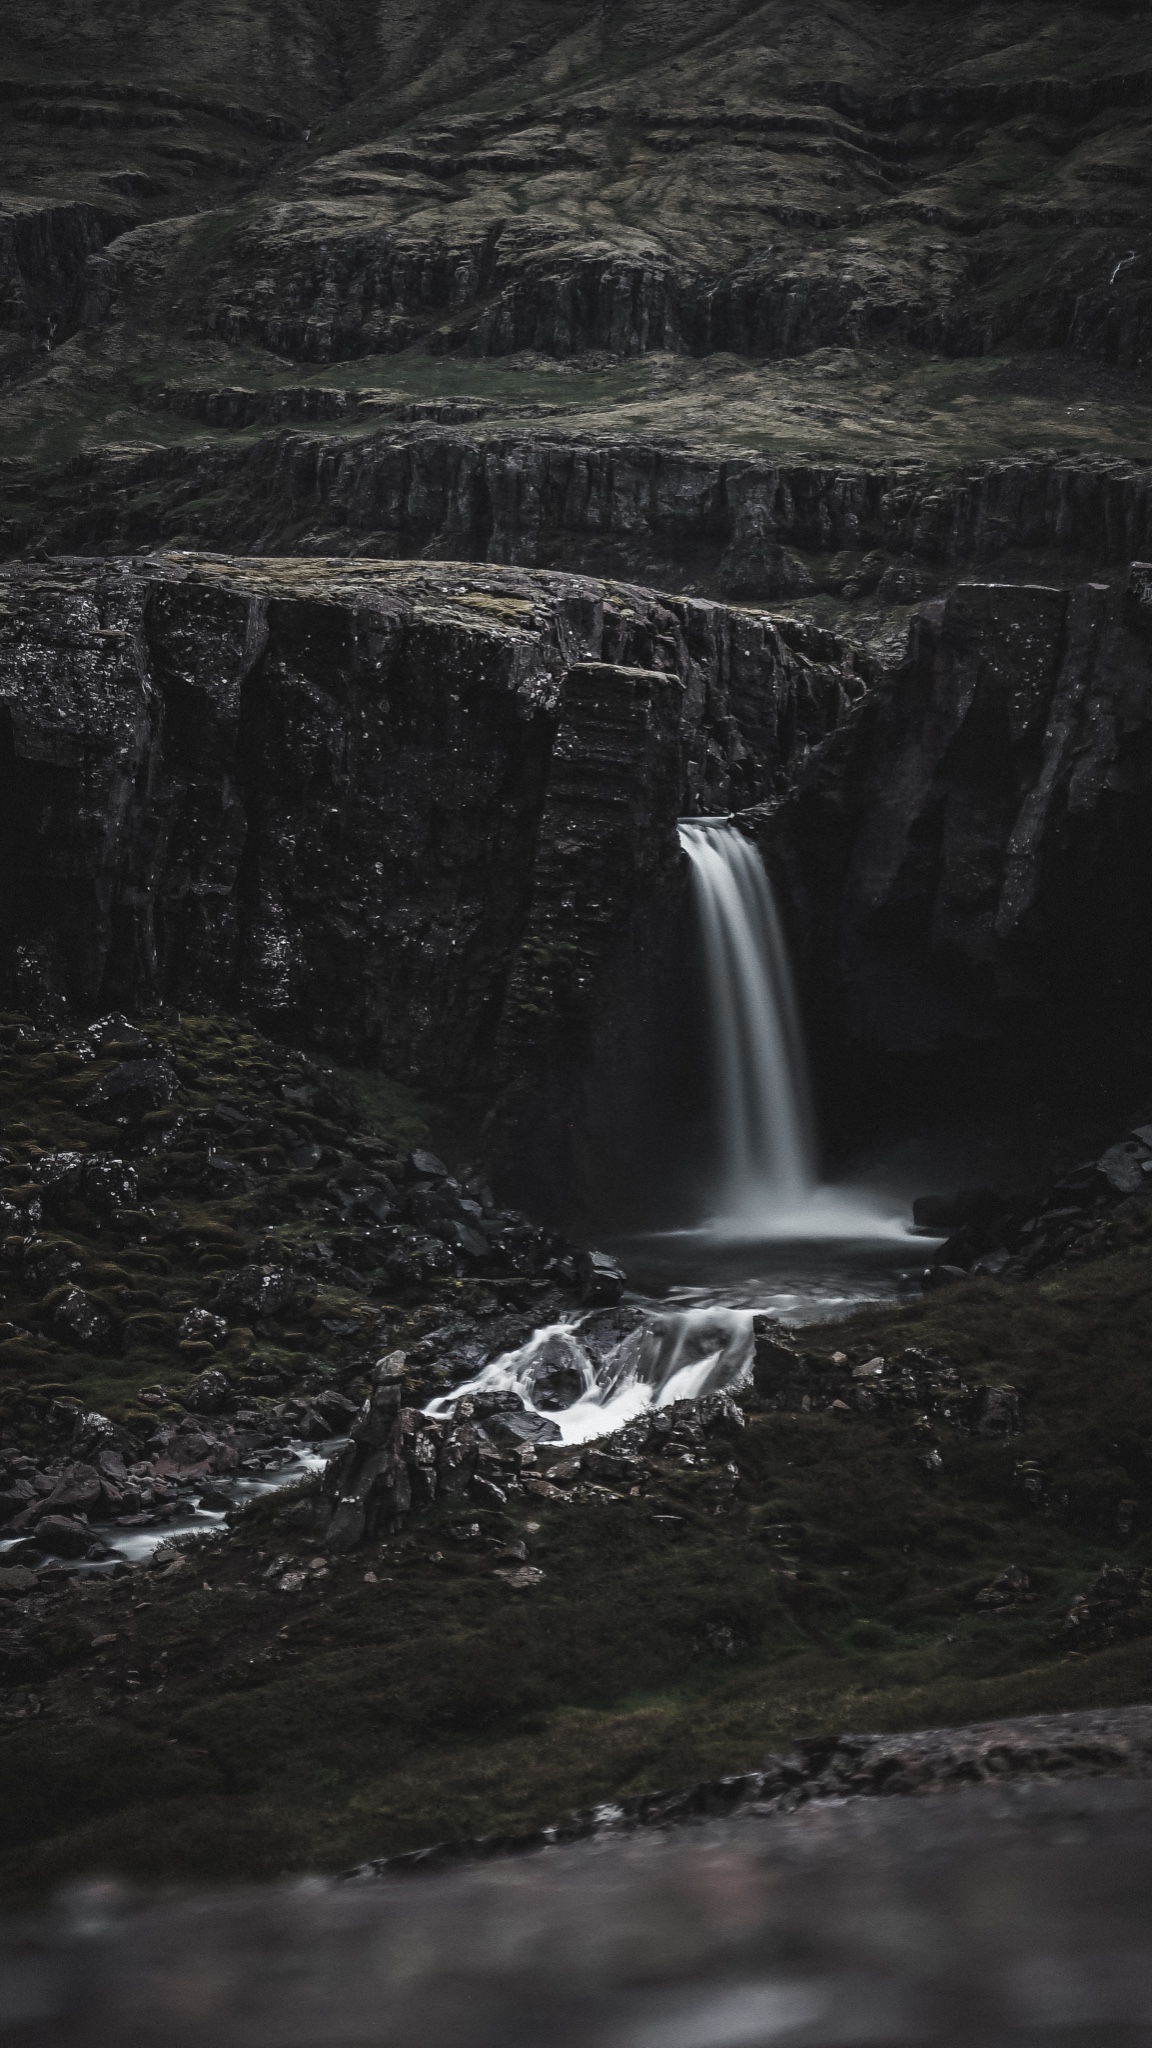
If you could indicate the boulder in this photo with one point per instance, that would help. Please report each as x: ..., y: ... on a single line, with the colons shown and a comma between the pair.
x: 1122, y: 1166
x: 1010, y: 1588
x: 63, y: 1536
x: 416, y: 1259
x: 522, y: 1428
x: 997, y: 1411
x: 59, y: 1173
x: 46, y: 1263
x: 602, y: 1280
x: 335, y: 1410
x: 81, y: 1322
x: 719, y: 1413
x: 130, y: 1090
x: 423, y: 1165
x: 115, y: 1030
x: 208, y: 1395
x: 557, y: 1386
x: 258, y: 1290
x: 200, y: 1326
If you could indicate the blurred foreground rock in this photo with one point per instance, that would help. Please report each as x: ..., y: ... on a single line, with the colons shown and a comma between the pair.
x: 998, y: 1913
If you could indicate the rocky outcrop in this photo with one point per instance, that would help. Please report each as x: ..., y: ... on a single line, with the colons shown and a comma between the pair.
x: 744, y: 527
x: 969, y: 855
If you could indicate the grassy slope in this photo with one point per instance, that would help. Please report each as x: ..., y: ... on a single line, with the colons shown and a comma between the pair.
x: 438, y: 1701
x: 1029, y: 196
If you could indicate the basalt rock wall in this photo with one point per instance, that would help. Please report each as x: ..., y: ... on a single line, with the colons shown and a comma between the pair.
x: 741, y: 527
x: 418, y: 816
x: 968, y: 858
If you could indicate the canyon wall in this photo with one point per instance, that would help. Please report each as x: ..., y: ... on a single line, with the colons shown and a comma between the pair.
x: 744, y: 527
x: 968, y: 858
x: 425, y: 816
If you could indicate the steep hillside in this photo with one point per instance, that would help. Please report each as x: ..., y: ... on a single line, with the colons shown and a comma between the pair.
x: 780, y: 234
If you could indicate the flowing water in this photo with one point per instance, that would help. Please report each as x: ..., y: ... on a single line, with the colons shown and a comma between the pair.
x: 772, y: 1238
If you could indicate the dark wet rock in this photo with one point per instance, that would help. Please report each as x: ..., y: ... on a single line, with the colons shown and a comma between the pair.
x: 720, y: 1414
x: 556, y: 1386
x: 109, y: 1183
x: 1010, y: 746
x: 613, y: 1468
x: 200, y: 1326
x: 423, y: 1165
x: 47, y: 1263
x: 335, y: 1410
x: 63, y: 1536
x: 131, y: 1090
x: 78, y: 1320
x: 521, y: 1427
x: 1123, y: 1167
x: 95, y: 1436
x: 487, y: 1402
x: 996, y: 1411
x: 209, y: 1395
x: 602, y: 1280
x: 264, y: 1290
x: 59, y: 1173
x: 116, y: 1032
x: 367, y: 1483
x: 418, y: 1258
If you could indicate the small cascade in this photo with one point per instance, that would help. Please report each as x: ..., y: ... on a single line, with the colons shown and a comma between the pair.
x: 621, y: 1365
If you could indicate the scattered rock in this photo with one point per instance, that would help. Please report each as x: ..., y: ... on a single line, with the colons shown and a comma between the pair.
x: 1010, y: 1589
x: 17, y: 1579
x: 199, y: 1326
x: 602, y: 1280
x: 80, y: 1321
x: 63, y: 1536
x: 1116, y: 1607
x: 132, y: 1089
x: 210, y: 1394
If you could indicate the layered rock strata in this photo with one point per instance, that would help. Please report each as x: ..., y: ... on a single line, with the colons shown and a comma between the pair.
x: 427, y: 815
x: 743, y: 527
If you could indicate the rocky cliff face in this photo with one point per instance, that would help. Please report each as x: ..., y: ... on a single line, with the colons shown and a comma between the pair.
x: 423, y: 816
x: 743, y: 527
x: 969, y: 855
x: 426, y: 816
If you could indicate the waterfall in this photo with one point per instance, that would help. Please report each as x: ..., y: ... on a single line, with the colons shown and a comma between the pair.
x: 766, y: 1128
x: 594, y: 1372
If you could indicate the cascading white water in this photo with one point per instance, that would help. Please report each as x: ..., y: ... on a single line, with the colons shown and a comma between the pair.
x: 767, y: 1141
x: 663, y: 1358
x: 769, y: 1187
